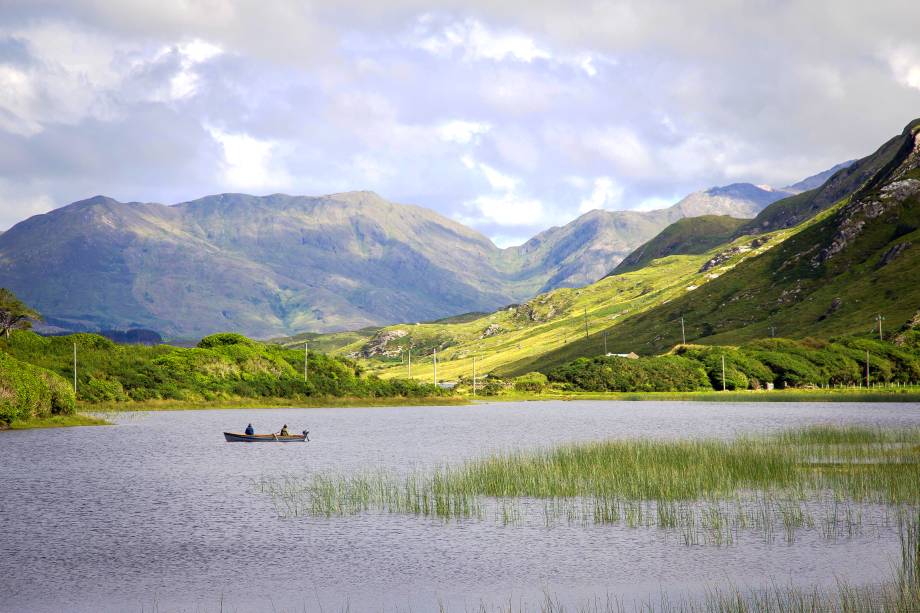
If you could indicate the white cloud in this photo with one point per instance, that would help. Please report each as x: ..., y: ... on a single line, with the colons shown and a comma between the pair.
x: 504, y: 206
x: 17, y: 96
x: 624, y: 149
x: 654, y: 203
x: 248, y: 161
x: 186, y: 81
x: 20, y: 203
x: 607, y: 194
x: 477, y: 42
x: 508, y: 209
x: 498, y: 180
x: 462, y: 132
x: 509, y: 240
x: 905, y: 65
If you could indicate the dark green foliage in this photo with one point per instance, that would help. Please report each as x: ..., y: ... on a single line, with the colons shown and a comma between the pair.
x: 531, y: 382
x: 14, y: 314
x: 222, y: 366
x: 223, y: 339
x: 689, y: 235
x: 492, y: 387
x: 616, y: 374
x: 742, y: 371
x: 783, y: 362
x: 27, y: 391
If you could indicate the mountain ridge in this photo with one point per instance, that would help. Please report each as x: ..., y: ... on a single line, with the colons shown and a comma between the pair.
x: 279, y: 264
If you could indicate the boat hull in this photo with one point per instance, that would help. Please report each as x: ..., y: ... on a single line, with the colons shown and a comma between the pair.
x: 235, y: 437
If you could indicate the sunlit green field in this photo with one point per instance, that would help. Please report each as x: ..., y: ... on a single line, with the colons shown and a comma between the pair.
x: 522, y: 334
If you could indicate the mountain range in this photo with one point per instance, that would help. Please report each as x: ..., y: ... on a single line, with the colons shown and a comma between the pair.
x: 279, y: 264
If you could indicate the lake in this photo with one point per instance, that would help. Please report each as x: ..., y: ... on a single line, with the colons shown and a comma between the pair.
x: 159, y: 513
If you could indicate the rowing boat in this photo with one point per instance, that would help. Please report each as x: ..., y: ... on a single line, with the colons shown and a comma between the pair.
x: 236, y: 437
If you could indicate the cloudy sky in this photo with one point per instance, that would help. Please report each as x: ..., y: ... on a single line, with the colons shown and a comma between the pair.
x: 509, y: 116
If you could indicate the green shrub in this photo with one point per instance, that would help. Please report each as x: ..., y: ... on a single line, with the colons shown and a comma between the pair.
x: 531, y: 382
x: 616, y: 374
x: 27, y: 391
x: 224, y: 339
x: 63, y: 400
x: 741, y: 370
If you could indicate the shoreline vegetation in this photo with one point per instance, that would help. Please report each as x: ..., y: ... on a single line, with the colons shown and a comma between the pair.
x: 96, y: 414
x: 230, y: 371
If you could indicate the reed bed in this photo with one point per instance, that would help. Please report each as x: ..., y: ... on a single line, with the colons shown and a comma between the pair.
x: 837, y: 482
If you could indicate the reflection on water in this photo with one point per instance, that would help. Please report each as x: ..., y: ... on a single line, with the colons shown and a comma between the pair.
x: 159, y: 511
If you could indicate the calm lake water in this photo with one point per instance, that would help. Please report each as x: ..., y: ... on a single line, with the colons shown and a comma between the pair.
x: 159, y: 513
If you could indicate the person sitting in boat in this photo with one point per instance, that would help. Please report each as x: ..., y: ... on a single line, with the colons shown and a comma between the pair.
x: 284, y: 430
x: 249, y: 430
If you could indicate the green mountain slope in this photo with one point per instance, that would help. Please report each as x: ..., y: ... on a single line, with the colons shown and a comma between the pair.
x: 852, y: 263
x: 518, y: 337
x: 691, y: 235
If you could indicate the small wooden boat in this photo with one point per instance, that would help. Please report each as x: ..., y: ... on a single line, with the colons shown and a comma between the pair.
x: 236, y: 437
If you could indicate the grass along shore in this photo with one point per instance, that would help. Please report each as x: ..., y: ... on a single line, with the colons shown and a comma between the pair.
x: 317, y: 402
x: 697, y: 483
x: 93, y: 413
x: 466, y: 398
x: 58, y: 421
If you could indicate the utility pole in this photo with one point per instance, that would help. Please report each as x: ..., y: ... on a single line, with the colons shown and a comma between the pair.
x: 683, y: 333
x: 435, y: 364
x: 474, y: 374
x: 723, y: 372
x: 306, y: 359
x: 867, y: 368
x: 409, y: 363
x: 880, y: 319
x: 772, y: 331
x: 74, y: 368
x: 605, y: 343
x: 586, y: 322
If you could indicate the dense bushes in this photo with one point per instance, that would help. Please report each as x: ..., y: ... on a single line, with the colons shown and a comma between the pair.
x: 781, y: 362
x: 531, y: 382
x: 27, y: 391
x: 742, y: 371
x: 221, y: 366
x: 616, y: 374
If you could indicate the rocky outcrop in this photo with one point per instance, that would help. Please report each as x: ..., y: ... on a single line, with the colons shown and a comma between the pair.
x: 892, y: 253
x: 854, y: 216
x: 491, y: 330
x: 379, y: 345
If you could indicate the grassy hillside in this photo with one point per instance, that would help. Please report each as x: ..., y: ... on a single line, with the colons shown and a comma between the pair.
x: 516, y: 339
x: 693, y: 235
